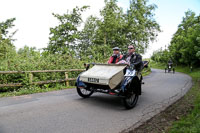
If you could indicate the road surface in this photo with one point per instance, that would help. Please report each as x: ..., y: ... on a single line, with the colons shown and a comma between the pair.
x: 65, y: 112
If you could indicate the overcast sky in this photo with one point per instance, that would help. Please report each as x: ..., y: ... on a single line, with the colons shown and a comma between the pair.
x: 34, y: 17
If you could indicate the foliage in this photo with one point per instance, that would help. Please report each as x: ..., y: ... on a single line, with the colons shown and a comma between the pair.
x: 185, y: 44
x: 34, y: 89
x: 87, y: 37
x: 141, y: 25
x: 111, y: 26
x: 190, y: 123
x: 66, y: 33
x: 161, y: 56
x: 6, y: 45
x: 114, y: 28
x: 5, y: 27
x: 71, y: 45
x: 7, y: 50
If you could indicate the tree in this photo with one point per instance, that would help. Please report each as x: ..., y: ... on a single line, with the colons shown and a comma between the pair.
x: 4, y: 29
x: 87, y: 36
x: 114, y: 28
x: 184, y: 47
x: 7, y: 48
x: 160, y: 55
x: 141, y: 25
x: 137, y: 26
x: 185, y: 44
x: 111, y: 26
x: 65, y: 35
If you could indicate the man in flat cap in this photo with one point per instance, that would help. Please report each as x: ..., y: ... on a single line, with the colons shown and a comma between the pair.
x: 116, y: 56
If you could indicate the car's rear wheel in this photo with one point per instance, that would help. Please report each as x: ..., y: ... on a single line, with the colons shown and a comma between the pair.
x: 130, y: 100
x: 173, y: 70
x: 84, y: 92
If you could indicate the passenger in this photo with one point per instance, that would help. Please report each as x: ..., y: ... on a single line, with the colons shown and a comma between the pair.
x: 116, y: 56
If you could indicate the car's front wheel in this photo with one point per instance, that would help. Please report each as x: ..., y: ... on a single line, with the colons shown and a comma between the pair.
x: 84, y: 92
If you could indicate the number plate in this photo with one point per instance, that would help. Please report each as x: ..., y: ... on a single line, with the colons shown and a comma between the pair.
x: 93, y: 80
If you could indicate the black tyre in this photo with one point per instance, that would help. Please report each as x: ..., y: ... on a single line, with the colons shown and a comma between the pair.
x: 84, y: 92
x: 141, y: 79
x: 131, y: 95
x: 130, y: 101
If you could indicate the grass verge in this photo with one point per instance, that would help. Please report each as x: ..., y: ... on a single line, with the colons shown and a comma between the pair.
x: 34, y: 89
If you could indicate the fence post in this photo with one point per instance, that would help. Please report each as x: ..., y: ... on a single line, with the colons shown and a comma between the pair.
x: 30, y: 78
x: 66, y: 77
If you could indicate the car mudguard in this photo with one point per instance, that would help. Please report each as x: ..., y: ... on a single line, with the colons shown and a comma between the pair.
x: 133, y: 83
x: 80, y: 83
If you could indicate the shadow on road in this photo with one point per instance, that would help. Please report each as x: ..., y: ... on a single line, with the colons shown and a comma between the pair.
x: 103, y: 101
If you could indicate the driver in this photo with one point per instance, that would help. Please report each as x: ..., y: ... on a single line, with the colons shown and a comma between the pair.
x: 132, y: 58
x: 170, y: 63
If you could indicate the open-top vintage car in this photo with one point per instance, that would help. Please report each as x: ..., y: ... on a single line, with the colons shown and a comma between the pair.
x: 114, y: 79
x: 169, y: 68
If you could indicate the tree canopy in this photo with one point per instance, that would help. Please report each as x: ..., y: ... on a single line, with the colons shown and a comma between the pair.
x: 184, y: 47
x: 114, y: 27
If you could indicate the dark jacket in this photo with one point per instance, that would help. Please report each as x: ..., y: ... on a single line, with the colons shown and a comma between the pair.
x: 136, y: 60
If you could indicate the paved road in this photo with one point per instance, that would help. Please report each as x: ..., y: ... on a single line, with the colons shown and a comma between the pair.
x: 65, y: 112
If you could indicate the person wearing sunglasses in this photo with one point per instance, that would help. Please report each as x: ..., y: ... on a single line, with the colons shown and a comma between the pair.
x: 132, y: 58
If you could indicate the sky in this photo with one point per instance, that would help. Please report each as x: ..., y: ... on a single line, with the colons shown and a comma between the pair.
x: 34, y: 18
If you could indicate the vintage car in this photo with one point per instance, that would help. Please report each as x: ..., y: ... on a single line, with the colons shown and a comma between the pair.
x: 169, y: 68
x: 114, y: 79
